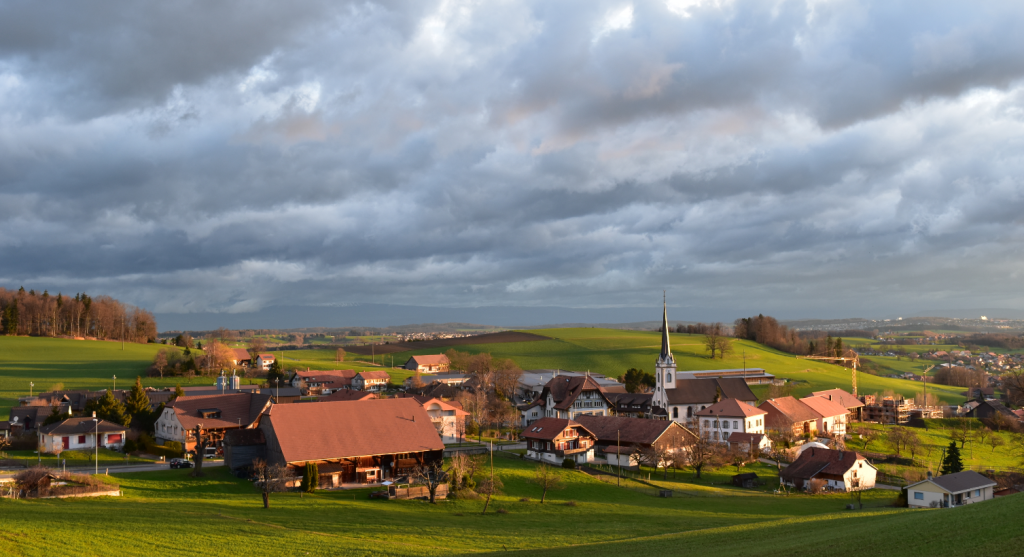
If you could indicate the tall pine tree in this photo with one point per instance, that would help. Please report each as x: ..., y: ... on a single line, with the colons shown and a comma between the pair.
x: 952, y: 463
x: 107, y: 407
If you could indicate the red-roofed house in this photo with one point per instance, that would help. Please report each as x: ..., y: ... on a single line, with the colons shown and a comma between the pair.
x: 372, y: 381
x: 449, y: 418
x: 789, y: 413
x: 352, y: 442
x: 553, y: 440
x: 729, y: 416
x: 264, y: 361
x: 240, y: 357
x: 346, y: 395
x: 852, y: 404
x: 323, y: 382
x: 839, y: 470
x: 833, y: 415
x: 567, y: 397
x: 436, y: 363
x: 215, y: 413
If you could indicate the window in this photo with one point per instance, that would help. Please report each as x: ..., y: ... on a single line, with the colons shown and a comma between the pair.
x: 689, y: 411
x: 735, y: 424
x: 716, y: 436
x: 675, y: 412
x: 977, y: 493
x: 918, y: 496
x: 668, y: 377
x: 81, y: 439
x: 716, y: 424
x: 725, y: 424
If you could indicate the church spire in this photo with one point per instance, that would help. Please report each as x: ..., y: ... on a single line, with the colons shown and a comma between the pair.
x: 666, y: 351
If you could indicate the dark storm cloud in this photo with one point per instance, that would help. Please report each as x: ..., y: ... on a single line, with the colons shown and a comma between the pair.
x: 808, y: 158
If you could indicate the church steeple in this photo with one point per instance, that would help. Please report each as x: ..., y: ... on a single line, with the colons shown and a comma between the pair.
x: 666, y: 351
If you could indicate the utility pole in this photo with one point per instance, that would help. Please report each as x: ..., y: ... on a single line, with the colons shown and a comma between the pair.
x: 618, y: 458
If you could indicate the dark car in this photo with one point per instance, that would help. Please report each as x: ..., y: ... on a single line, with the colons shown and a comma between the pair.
x: 181, y: 463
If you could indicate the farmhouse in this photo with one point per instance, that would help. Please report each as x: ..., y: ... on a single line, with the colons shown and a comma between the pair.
x: 437, y: 363
x: 264, y: 361
x: 837, y: 470
x: 553, y: 440
x: 950, y: 490
x: 532, y: 381
x: 352, y: 442
x: 240, y: 357
x: 788, y: 413
x: 618, y: 438
x: 81, y: 433
x: 323, y: 382
x: 568, y: 397
x: 372, y: 381
x: 833, y: 415
x: 680, y: 399
x: 728, y: 417
x: 216, y: 414
x: 852, y: 404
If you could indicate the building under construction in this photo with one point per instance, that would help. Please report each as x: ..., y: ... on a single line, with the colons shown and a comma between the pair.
x: 888, y: 410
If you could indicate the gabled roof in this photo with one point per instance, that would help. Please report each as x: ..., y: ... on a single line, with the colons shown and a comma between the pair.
x: 375, y: 374
x: 444, y: 405
x: 79, y: 426
x: 816, y: 461
x: 740, y: 437
x: 843, y: 398
x: 346, y: 395
x: 960, y: 481
x: 565, y: 389
x: 546, y: 429
x: 334, y: 378
x: 266, y: 356
x: 234, y: 408
x: 732, y: 408
x: 827, y: 408
x: 244, y: 437
x: 333, y: 430
x: 793, y: 409
x: 430, y: 360
x: 703, y: 391
x: 241, y: 354
x: 628, y: 431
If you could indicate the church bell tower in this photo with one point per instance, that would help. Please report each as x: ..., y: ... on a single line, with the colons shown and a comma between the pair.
x: 665, y: 368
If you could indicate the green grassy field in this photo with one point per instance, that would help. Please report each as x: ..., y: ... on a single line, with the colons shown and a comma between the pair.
x: 611, y: 352
x: 169, y: 512
x: 976, y: 455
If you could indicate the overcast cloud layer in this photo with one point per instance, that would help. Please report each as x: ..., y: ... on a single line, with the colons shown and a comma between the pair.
x: 811, y: 159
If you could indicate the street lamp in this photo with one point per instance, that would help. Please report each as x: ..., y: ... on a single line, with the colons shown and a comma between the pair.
x: 30, y: 385
x: 96, y: 441
x: 115, y: 382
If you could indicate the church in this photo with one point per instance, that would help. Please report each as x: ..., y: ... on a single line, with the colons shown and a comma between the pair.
x: 680, y: 399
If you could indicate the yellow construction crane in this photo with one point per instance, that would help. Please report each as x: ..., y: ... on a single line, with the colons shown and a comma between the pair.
x: 855, y: 359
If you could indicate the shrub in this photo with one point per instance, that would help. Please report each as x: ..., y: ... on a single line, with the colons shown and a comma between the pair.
x: 570, y: 503
x: 501, y: 511
x: 130, y: 446
x: 569, y: 463
x: 467, y: 494
x: 33, y: 478
x: 472, y: 429
x: 524, y: 499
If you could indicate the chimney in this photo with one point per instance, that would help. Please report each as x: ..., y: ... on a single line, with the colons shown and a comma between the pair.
x: 929, y: 474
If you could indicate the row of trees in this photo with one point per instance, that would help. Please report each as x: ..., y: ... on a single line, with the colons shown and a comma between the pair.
x: 29, y: 313
x: 960, y: 377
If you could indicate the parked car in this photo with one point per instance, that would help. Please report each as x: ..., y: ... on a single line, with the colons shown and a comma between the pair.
x: 181, y: 463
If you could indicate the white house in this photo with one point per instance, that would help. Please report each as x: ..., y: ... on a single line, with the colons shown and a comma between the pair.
x: 836, y: 470
x: 568, y: 397
x: 446, y: 418
x: 553, y: 440
x: 729, y: 416
x: 950, y: 490
x: 264, y: 361
x: 833, y: 415
x: 436, y: 363
x: 371, y: 381
x: 80, y: 433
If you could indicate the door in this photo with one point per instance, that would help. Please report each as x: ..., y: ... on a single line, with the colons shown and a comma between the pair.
x: 65, y: 442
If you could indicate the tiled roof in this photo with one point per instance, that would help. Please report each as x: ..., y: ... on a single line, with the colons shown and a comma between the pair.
x: 374, y: 374
x: 242, y: 354
x: 740, y: 437
x: 629, y: 431
x: 266, y: 356
x: 731, y: 408
x: 334, y: 378
x: 444, y: 405
x: 843, y: 398
x: 79, y: 426
x: 827, y: 408
x: 565, y: 389
x: 547, y: 429
x: 793, y: 409
x: 332, y: 430
x: 703, y: 391
x: 430, y: 360
x: 816, y: 461
x: 234, y: 408
x: 346, y: 395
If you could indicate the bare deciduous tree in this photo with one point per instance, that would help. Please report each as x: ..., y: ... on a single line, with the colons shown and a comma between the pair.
x: 506, y: 378
x: 461, y: 467
x: 490, y: 487
x: 270, y: 478
x: 701, y: 451
x: 711, y: 344
x: 431, y: 475
x: 961, y: 431
x: 547, y: 478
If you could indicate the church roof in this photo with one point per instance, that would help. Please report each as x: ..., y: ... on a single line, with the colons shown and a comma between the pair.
x: 666, y: 351
x: 703, y: 391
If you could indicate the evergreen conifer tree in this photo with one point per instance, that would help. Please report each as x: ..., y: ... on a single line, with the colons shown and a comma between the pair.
x: 109, y: 408
x: 137, y: 401
x: 952, y: 463
x: 178, y: 391
x: 55, y: 416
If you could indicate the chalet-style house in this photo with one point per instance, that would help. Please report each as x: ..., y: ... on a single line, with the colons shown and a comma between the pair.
x: 680, y: 399
x: 323, y: 382
x: 568, y: 397
x: 729, y: 417
x: 215, y: 413
x: 532, y: 382
x: 437, y: 363
x: 833, y: 415
x: 80, y: 434
x: 617, y: 437
x: 852, y: 404
x: 352, y: 442
x: 788, y: 413
x: 839, y: 470
x: 553, y: 440
x: 630, y: 405
x: 240, y: 357
x: 950, y: 490
x: 264, y: 361
x: 371, y: 381
x: 448, y: 417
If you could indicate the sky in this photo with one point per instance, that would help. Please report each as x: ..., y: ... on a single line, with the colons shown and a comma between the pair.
x: 805, y: 159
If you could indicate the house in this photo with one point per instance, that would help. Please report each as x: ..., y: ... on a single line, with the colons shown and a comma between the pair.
x: 346, y: 395
x: 81, y: 433
x: 450, y: 379
x: 284, y: 395
x: 986, y: 409
x: 788, y: 413
x: 242, y: 446
x: 833, y: 415
x: 25, y: 419
x: 852, y: 404
x: 448, y: 417
x: 437, y: 363
x: 240, y: 357
x: 533, y: 381
x: 553, y: 440
x: 216, y: 414
x: 364, y: 441
x: 264, y: 361
x: 5, y: 429
x: 630, y: 405
x: 728, y: 417
x: 838, y: 470
x: 617, y: 437
x: 323, y: 382
x: 372, y: 381
x: 950, y: 490
x: 750, y: 443
x: 568, y: 397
